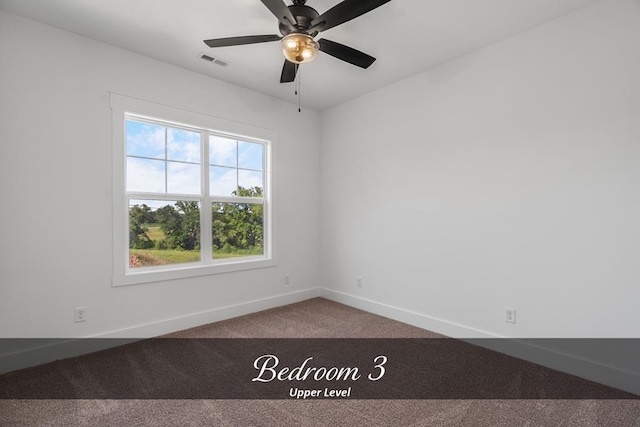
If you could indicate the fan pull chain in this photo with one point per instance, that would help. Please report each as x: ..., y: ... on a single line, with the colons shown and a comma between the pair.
x: 298, y: 90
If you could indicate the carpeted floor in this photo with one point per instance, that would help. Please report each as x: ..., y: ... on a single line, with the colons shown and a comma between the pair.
x: 317, y: 318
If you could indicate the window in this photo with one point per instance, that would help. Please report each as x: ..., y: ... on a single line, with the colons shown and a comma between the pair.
x: 194, y: 197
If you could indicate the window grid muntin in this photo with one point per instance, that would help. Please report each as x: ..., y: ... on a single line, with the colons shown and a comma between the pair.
x: 237, y: 140
x: 166, y: 125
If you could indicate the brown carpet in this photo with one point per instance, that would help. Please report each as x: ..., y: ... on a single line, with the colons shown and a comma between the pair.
x: 317, y: 318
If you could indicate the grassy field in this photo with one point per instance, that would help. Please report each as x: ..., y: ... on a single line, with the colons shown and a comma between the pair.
x: 162, y: 257
x: 155, y: 232
x: 150, y: 257
x: 147, y: 257
x: 218, y: 255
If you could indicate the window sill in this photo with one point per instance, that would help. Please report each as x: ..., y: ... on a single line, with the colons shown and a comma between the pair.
x: 134, y: 277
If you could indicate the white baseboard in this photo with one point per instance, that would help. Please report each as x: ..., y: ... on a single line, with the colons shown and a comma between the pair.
x: 179, y: 323
x: 420, y: 320
x: 54, y: 349
x: 573, y: 364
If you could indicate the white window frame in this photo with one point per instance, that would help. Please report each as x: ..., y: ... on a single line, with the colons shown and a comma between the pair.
x: 125, y: 107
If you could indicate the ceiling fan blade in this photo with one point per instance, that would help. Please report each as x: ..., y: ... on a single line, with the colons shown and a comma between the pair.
x: 346, y: 53
x: 343, y: 12
x: 282, y: 12
x: 289, y: 71
x: 236, y: 41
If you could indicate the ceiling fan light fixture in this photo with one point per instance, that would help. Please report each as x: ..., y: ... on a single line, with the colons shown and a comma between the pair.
x: 299, y: 48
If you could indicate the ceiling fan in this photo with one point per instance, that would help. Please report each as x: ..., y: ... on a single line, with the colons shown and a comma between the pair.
x: 299, y: 24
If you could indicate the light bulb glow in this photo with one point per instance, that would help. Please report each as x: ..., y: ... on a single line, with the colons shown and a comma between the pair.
x: 299, y: 48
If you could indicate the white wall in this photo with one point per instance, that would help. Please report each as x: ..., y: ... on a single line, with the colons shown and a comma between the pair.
x: 56, y: 190
x: 507, y: 178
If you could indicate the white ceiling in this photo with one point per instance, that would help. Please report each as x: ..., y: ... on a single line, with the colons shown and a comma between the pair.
x: 406, y: 36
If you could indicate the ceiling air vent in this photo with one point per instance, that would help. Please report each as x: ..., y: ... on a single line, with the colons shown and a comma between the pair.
x: 213, y: 60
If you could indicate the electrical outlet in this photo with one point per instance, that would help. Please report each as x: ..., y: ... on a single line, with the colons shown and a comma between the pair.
x: 359, y: 281
x: 80, y: 314
x: 510, y: 315
x: 286, y: 279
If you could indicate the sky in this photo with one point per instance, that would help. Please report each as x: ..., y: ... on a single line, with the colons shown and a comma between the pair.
x: 167, y: 160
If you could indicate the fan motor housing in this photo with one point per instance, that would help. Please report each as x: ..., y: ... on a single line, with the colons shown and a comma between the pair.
x: 304, y: 15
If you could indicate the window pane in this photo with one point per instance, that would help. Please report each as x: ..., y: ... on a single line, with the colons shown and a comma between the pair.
x: 250, y: 155
x: 250, y: 180
x: 222, y: 181
x: 145, y: 140
x: 183, y: 145
x: 223, y: 151
x: 183, y: 178
x: 145, y: 175
x: 163, y: 232
x: 237, y: 230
